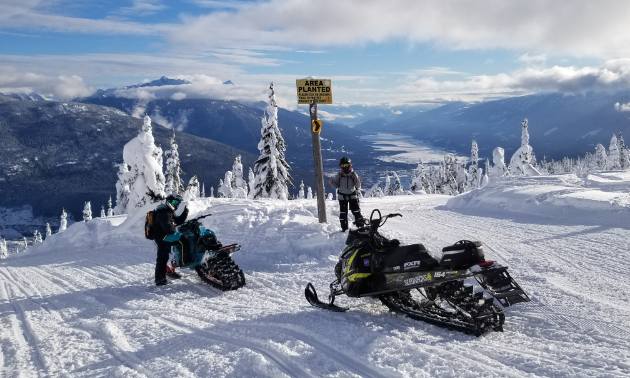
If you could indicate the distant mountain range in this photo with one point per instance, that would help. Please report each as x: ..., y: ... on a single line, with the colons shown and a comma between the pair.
x: 58, y: 155
x: 559, y: 125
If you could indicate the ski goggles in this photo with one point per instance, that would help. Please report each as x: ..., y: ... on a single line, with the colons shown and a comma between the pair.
x: 345, y: 165
x: 175, y: 202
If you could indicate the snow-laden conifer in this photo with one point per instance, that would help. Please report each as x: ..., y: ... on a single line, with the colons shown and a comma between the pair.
x: 110, y: 211
x: 521, y: 162
x: 474, y: 176
x: 174, y: 183
x: 103, y: 211
x: 613, y: 161
x: 87, y: 212
x: 37, y: 237
x: 203, y: 190
x: 225, y: 186
x: 48, y: 230
x: 499, y: 169
x: 24, y: 243
x: 122, y: 189
x: 212, y: 192
x: 397, y: 188
x: 251, y: 183
x: 485, y: 179
x: 64, y: 222
x: 601, y: 160
x: 271, y: 170
x: 388, y: 190
x: 192, y: 190
x: 301, y: 192
x: 4, y: 252
x: 239, y: 185
x: 624, y: 154
x: 145, y: 177
x: 309, y: 193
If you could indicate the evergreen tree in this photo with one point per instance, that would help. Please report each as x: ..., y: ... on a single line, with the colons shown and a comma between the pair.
x: 613, y: 161
x: 600, y: 162
x: 37, y: 237
x: 397, y: 188
x: 145, y: 177
x: 203, y: 190
x: 192, y: 190
x: 225, y: 189
x: 239, y: 185
x: 110, y: 211
x: 485, y: 179
x: 271, y: 170
x: 624, y: 154
x: 473, y: 170
x: 4, y: 252
x: 212, y: 192
x: 102, y: 211
x: 309, y: 193
x: 301, y: 192
x: 251, y: 182
x: 87, y: 212
x: 48, y: 231
x: 463, y: 179
x: 388, y: 191
x: 122, y: 189
x: 499, y: 169
x: 173, y: 171
x: 24, y: 243
x: 63, y: 223
x: 521, y: 162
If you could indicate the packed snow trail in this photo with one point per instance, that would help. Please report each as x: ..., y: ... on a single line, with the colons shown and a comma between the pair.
x: 83, y: 303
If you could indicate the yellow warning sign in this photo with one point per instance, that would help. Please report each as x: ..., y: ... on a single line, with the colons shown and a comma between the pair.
x: 317, y: 126
x: 314, y: 89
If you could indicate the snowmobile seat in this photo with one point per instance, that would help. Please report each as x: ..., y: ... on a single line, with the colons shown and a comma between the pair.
x: 408, y: 257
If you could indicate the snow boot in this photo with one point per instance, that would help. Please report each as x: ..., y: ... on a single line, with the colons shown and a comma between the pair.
x: 170, y: 271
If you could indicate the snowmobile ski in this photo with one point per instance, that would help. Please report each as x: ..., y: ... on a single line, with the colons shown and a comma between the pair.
x: 311, y: 297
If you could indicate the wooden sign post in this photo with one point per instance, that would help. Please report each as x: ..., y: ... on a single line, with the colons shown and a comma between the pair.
x: 314, y: 91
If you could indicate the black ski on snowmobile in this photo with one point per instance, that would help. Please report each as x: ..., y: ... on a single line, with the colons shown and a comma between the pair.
x: 409, y: 280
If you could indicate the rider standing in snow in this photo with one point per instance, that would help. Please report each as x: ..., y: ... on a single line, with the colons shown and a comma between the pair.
x: 348, y: 188
x: 167, y: 236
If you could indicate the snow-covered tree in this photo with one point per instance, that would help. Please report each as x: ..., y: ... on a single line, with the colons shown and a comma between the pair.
x: 63, y: 223
x: 301, y: 192
x: 110, y: 211
x: 225, y: 187
x: 212, y: 192
x: 462, y: 178
x: 521, y: 162
x: 239, y: 185
x: 87, y: 212
x: 102, y: 211
x: 37, y: 237
x: 309, y: 193
x: 624, y: 153
x: 499, y: 168
x: 24, y: 243
x: 174, y: 183
x: 474, y: 176
x: 122, y: 189
x: 251, y: 183
x: 271, y: 171
x: 4, y: 252
x: 203, y: 190
x: 375, y: 191
x: 601, y: 160
x: 192, y: 190
x: 388, y: 191
x: 145, y: 178
x: 397, y: 188
x: 485, y: 179
x: 48, y: 230
x: 613, y: 161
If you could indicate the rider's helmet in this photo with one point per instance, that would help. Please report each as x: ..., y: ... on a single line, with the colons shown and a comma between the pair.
x: 345, y: 164
x: 173, y: 200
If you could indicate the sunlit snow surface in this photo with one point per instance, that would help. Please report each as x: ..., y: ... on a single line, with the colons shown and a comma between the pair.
x: 83, y: 303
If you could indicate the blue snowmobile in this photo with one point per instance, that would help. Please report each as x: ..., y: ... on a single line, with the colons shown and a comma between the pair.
x: 208, y: 257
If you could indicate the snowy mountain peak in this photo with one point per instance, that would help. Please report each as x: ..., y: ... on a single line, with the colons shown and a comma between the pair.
x: 160, y: 82
x: 229, y: 82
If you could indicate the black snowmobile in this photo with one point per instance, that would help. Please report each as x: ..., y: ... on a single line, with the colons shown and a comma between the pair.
x: 408, y: 280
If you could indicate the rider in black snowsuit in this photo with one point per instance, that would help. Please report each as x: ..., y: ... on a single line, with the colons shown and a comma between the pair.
x: 348, y: 188
x: 167, y: 236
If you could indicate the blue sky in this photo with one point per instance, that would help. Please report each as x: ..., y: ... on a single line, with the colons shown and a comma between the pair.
x: 419, y: 52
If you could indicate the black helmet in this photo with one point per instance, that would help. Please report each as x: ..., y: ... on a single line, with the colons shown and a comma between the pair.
x: 345, y: 164
x: 173, y: 200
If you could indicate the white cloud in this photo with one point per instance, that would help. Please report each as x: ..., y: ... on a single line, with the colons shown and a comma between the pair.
x: 64, y: 86
x: 178, y: 96
x: 622, y: 107
x: 584, y: 28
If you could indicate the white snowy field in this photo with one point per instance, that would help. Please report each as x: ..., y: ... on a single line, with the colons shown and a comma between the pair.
x: 401, y: 148
x: 83, y: 304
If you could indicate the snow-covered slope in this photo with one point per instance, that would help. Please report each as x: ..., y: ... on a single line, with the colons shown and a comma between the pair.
x: 83, y: 304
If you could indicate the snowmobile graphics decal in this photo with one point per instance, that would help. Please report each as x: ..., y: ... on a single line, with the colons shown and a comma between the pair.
x: 444, y: 274
x: 418, y: 279
x: 412, y: 264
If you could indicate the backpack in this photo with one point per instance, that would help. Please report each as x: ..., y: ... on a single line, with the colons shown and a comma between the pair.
x: 149, y: 225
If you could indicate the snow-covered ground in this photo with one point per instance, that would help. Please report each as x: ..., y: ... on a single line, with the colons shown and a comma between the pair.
x: 83, y: 304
